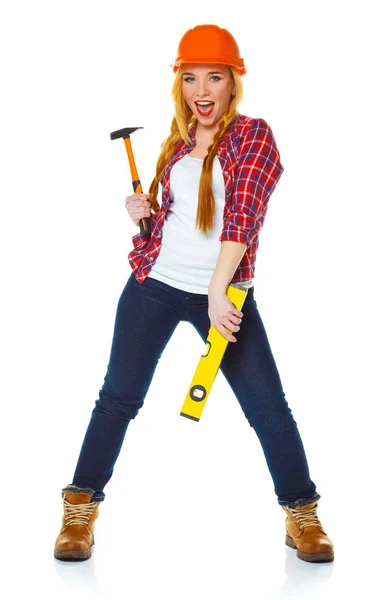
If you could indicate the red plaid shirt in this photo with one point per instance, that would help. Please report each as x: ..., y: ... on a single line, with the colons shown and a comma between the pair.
x: 251, y: 168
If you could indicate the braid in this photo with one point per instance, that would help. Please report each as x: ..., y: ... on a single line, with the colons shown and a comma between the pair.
x: 165, y: 155
x: 206, y: 200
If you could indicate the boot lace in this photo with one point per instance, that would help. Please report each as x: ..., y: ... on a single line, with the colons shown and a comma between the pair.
x: 78, y: 513
x: 306, y: 516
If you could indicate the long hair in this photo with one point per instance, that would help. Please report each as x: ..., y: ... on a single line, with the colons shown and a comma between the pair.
x: 183, y: 119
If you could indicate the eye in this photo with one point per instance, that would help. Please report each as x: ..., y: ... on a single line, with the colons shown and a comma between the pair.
x: 190, y: 77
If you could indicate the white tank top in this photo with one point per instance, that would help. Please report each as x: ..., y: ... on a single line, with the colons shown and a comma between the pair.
x: 187, y: 256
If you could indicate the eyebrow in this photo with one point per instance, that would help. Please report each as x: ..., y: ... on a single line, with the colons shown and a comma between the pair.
x: 209, y: 73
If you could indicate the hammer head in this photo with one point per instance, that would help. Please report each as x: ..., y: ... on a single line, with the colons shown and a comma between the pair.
x: 123, y: 133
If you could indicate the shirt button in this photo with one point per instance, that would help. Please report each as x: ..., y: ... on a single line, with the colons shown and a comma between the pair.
x: 151, y: 258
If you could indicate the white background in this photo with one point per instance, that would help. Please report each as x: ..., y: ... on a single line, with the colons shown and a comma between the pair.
x: 190, y: 511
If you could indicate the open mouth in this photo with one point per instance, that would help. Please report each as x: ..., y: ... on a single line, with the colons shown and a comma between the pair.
x: 205, y: 108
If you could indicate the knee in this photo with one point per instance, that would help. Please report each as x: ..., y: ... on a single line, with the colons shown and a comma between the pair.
x: 121, y: 401
x: 122, y: 407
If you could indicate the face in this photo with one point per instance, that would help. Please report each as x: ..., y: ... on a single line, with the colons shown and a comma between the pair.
x: 207, y: 83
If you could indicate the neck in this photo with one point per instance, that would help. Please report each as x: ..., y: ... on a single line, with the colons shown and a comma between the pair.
x: 205, y: 133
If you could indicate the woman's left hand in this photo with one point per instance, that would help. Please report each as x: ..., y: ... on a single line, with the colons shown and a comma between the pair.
x: 222, y: 314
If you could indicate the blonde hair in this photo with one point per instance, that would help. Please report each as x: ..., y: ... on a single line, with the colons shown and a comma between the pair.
x: 183, y: 119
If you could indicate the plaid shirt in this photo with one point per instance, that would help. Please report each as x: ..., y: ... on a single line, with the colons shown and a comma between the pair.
x: 251, y: 168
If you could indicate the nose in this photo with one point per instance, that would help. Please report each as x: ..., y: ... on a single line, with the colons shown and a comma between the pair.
x: 202, y: 90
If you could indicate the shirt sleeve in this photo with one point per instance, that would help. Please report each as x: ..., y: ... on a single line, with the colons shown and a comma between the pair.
x: 256, y: 175
x: 140, y: 241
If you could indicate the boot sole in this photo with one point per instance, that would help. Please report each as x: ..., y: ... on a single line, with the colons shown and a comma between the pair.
x: 74, y: 554
x: 309, y: 556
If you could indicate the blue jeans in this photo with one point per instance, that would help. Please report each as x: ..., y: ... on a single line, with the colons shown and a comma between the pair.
x: 146, y: 317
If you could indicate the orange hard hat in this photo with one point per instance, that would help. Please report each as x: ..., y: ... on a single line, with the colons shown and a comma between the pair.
x: 209, y: 44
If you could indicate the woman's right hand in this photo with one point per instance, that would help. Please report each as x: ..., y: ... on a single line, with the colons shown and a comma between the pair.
x: 138, y: 207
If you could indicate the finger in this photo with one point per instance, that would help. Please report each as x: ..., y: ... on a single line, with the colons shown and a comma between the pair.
x: 230, y: 323
x: 236, y: 320
x: 226, y: 332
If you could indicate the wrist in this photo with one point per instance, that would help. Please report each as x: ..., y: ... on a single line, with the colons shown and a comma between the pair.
x: 217, y: 287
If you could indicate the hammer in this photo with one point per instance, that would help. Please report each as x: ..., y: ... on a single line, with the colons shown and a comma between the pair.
x: 144, y: 223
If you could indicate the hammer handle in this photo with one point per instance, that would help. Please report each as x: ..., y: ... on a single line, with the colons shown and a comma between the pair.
x: 144, y: 223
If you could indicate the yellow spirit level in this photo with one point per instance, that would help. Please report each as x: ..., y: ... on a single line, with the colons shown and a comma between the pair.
x: 209, y: 362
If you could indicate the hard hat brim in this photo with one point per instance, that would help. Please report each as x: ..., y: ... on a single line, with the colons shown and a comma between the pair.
x: 238, y: 64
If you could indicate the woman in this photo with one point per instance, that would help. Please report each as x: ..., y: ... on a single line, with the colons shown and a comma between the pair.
x: 218, y: 169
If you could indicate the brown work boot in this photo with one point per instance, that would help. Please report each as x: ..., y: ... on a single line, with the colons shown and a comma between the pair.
x: 305, y: 533
x: 76, y: 538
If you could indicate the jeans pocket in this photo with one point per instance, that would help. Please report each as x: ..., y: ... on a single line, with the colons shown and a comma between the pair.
x: 156, y: 284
